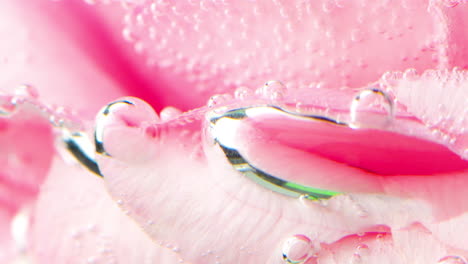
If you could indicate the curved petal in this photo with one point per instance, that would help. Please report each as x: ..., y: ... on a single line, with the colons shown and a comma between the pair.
x: 60, y: 54
x: 88, y: 226
x: 24, y: 162
x: 213, y: 213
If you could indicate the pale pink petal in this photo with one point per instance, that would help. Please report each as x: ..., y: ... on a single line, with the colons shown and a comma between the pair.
x: 66, y: 57
x: 25, y: 159
x: 412, y: 245
x: 75, y: 221
x: 199, y: 202
x: 214, y: 47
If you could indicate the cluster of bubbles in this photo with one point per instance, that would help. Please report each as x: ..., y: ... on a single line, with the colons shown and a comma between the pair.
x: 443, y: 110
x: 213, y: 42
x: 26, y: 96
x: 300, y: 249
x: 275, y: 92
x: 272, y: 91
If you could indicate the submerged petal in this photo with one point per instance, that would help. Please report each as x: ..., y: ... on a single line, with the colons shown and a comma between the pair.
x: 198, y: 201
x: 88, y: 226
x: 25, y: 159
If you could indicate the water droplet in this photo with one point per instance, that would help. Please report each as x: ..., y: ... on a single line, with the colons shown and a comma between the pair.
x: 272, y: 90
x: 297, y: 249
x: 243, y: 93
x: 369, y: 99
x: 81, y: 148
x: 127, y: 115
x: 361, y: 251
x: 223, y: 131
x: 452, y: 260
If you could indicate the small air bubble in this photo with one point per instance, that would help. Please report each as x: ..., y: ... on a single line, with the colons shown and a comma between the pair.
x: 243, y: 93
x: 410, y: 74
x: 369, y: 98
x: 169, y: 113
x: 273, y: 90
x: 297, y: 249
x: 128, y: 34
x: 218, y: 100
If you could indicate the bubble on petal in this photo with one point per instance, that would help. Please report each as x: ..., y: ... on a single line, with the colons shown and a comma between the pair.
x: 297, y: 249
x: 368, y: 99
x: 218, y: 100
x: 243, y: 93
x: 272, y: 90
x: 169, y: 113
x: 128, y: 130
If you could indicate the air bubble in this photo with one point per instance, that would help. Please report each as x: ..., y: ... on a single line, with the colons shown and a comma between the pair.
x: 218, y: 100
x: 243, y: 93
x: 128, y: 34
x: 135, y: 117
x: 223, y: 126
x: 361, y: 251
x: 452, y: 260
x: 297, y: 249
x: 272, y: 90
x: 362, y: 100
x: 169, y: 113
x: 391, y: 78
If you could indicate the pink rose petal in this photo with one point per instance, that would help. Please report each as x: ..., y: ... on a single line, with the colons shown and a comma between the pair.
x: 25, y: 161
x: 75, y: 221
x: 163, y: 176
